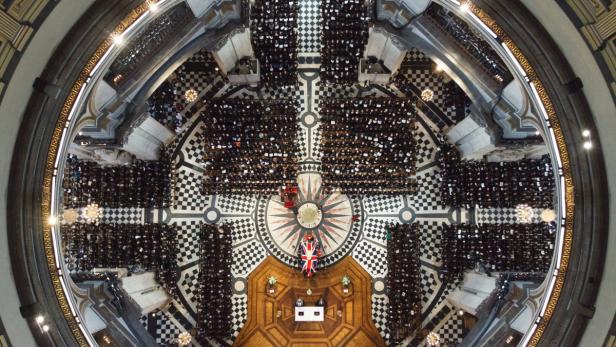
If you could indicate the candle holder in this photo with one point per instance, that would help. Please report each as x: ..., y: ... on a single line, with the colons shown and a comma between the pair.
x: 271, y: 285
x: 184, y: 339
x: 346, y: 283
x: 433, y: 339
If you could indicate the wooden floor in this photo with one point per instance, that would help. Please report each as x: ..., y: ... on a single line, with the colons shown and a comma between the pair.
x: 271, y: 319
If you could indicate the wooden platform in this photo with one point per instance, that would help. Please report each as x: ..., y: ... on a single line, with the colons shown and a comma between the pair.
x: 348, y: 316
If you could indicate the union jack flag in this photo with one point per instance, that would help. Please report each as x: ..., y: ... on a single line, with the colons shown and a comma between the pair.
x: 310, y: 253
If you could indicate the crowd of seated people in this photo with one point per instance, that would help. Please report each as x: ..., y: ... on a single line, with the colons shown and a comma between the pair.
x: 141, y: 184
x: 250, y: 146
x: 456, y: 99
x: 142, y: 49
x: 496, y: 247
x: 470, y: 42
x: 214, y: 308
x: 168, y: 102
x: 403, y: 282
x: 368, y: 145
x: 467, y: 183
x: 274, y: 40
x: 143, y: 247
x: 343, y: 39
x: 163, y: 107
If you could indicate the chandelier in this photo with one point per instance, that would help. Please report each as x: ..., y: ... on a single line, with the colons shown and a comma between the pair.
x: 548, y: 215
x: 427, y: 95
x: 191, y: 95
x: 524, y: 213
x: 92, y: 212
x: 184, y: 338
x: 433, y: 339
x: 70, y: 216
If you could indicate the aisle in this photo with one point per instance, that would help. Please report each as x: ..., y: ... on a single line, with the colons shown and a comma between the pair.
x: 309, y: 18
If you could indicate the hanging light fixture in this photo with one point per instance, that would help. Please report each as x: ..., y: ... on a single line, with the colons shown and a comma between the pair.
x: 427, y: 95
x: 184, y: 338
x: 70, y: 216
x: 524, y: 214
x: 433, y: 339
x: 92, y: 212
x: 548, y: 215
x: 191, y: 95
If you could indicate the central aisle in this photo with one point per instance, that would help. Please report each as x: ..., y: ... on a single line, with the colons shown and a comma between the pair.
x: 271, y: 320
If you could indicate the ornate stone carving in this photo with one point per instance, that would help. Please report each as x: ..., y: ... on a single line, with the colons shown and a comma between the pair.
x: 227, y: 37
x: 564, y: 154
x: 80, y: 338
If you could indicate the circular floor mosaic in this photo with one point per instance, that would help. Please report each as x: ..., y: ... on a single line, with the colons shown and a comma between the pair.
x: 329, y: 217
x: 309, y: 215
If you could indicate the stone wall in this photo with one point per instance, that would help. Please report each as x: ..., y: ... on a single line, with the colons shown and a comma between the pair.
x: 596, y: 20
x: 19, y: 19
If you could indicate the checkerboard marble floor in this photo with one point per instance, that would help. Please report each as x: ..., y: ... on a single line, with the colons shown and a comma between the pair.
x: 309, y: 19
x: 254, y: 238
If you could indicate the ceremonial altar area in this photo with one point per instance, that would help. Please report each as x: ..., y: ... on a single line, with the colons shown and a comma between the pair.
x: 272, y: 308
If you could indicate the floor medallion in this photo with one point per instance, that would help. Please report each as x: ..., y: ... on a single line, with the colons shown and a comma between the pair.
x: 329, y: 217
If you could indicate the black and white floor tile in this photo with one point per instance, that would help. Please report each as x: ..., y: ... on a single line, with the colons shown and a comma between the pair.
x: 372, y: 257
x: 429, y: 287
x: 379, y: 313
x: 309, y: 113
x: 418, y: 70
x: 502, y: 215
x: 243, y: 228
x: 188, y: 239
x: 426, y: 148
x: 194, y: 149
x: 427, y: 199
x: 309, y: 19
x: 375, y: 228
x: 239, y: 313
x: 189, y: 286
x: 247, y: 257
x: 255, y: 237
x: 187, y: 192
x: 166, y: 330
x: 123, y: 215
x: 236, y: 204
x: 430, y: 240
x: 383, y: 204
x: 450, y: 329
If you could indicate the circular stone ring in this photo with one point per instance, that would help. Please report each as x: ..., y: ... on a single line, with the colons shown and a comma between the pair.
x: 309, y: 215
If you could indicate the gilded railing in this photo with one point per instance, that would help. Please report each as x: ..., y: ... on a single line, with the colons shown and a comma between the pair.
x: 48, y: 178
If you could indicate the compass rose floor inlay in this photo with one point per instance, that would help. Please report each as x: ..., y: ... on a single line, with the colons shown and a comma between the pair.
x: 329, y: 217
